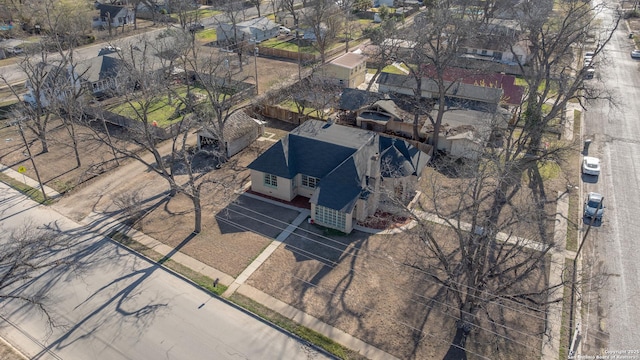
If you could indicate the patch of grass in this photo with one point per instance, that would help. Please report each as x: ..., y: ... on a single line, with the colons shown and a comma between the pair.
x: 291, y: 106
x: 288, y: 45
x: 565, y: 332
x: 549, y: 170
x: 160, y: 110
x: 207, y: 35
x: 295, y: 328
x: 198, y: 14
x: 574, y: 196
x: 32, y: 193
x: 391, y: 69
x: 202, y: 280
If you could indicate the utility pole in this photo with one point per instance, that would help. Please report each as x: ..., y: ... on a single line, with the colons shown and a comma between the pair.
x: 255, y: 58
x: 575, y: 270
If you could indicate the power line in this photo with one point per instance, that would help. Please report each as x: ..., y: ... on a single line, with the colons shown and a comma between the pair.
x: 428, y: 274
x: 332, y: 264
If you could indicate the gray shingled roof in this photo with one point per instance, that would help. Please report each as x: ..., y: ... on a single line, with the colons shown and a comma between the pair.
x: 109, y: 10
x: 99, y: 68
x: 354, y: 99
x: 398, y: 158
x: 337, y: 155
x: 457, y: 90
x: 314, y: 148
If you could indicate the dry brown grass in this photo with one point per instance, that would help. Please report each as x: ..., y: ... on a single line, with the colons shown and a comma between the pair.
x: 359, y: 283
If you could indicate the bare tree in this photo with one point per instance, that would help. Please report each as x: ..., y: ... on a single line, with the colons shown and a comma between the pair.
x: 289, y: 6
x: 503, y: 233
x: 386, y: 43
x: 325, y: 20
x: 234, y: 12
x: 312, y: 95
x: 435, y: 39
x: 256, y: 4
x: 28, y: 251
x: 157, y: 72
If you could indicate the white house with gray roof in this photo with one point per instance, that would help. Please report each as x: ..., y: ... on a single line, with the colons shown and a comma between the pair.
x: 344, y: 171
x: 254, y: 31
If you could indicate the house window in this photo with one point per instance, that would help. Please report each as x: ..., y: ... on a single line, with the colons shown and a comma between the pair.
x: 330, y: 217
x: 270, y: 180
x: 497, y: 55
x: 484, y: 52
x: 310, y: 182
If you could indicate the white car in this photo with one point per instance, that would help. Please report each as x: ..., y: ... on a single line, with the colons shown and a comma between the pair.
x: 111, y: 48
x: 591, y: 166
x: 284, y: 30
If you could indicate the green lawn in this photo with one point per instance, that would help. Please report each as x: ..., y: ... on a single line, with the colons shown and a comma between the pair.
x: 159, y: 110
x: 199, y: 14
x: 207, y: 35
x: 394, y: 69
x: 291, y: 106
x: 290, y: 45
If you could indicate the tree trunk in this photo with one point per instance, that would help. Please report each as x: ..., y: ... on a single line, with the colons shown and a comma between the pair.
x: 374, y: 77
x: 43, y: 140
x: 417, y: 98
x: 197, y: 211
x: 33, y: 163
x: 113, y: 149
x: 457, y: 349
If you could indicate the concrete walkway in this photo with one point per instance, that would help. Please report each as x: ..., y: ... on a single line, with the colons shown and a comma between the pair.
x: 28, y: 181
x: 105, y: 225
x: 264, y: 255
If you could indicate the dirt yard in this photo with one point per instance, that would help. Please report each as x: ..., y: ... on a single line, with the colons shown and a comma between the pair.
x: 365, y: 286
x: 358, y: 283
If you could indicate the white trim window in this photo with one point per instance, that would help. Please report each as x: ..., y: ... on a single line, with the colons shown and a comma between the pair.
x: 330, y: 217
x: 270, y: 180
x: 309, y: 181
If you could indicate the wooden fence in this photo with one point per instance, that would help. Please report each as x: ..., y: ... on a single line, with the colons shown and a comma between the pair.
x: 282, y: 114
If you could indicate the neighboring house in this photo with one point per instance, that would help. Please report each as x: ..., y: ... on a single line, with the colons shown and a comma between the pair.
x: 286, y: 19
x: 240, y: 131
x: 387, y: 3
x: 100, y: 74
x: 384, y: 116
x: 472, y: 89
x: 464, y: 133
x: 255, y: 31
x: 344, y: 171
x: 116, y: 15
x: 354, y: 99
x: 493, y: 49
x: 519, y: 9
x: 472, y: 95
x: 347, y: 70
x: 54, y: 83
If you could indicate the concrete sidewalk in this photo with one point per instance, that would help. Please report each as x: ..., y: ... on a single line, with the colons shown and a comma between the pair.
x: 104, y: 224
x: 28, y: 181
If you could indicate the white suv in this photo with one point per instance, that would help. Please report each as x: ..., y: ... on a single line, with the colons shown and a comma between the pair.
x: 284, y: 30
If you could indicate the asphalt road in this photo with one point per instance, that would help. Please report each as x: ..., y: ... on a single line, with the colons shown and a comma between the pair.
x: 116, y: 305
x: 613, y: 249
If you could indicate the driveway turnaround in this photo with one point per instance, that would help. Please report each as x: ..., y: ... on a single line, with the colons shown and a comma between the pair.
x: 114, y: 304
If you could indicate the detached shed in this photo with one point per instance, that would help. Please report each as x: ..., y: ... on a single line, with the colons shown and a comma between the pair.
x: 348, y: 70
x: 240, y: 131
